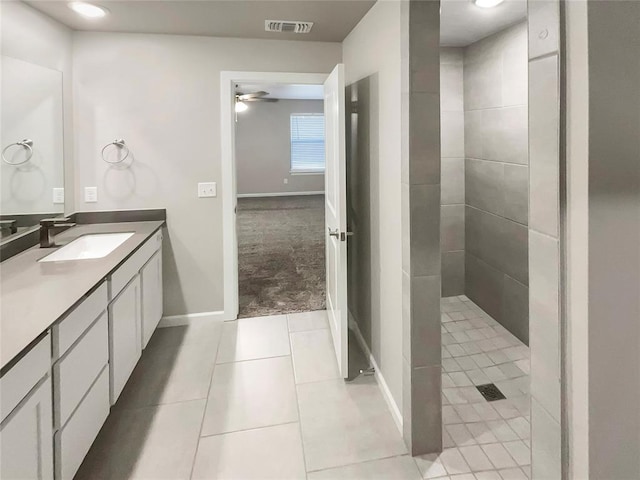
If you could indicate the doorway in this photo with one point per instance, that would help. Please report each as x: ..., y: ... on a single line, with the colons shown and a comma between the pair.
x: 280, y: 163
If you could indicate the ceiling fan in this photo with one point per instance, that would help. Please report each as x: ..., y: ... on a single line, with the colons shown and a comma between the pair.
x: 254, y: 97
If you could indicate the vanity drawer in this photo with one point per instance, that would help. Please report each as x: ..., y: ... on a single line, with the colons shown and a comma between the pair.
x: 23, y: 376
x: 66, y: 332
x: 121, y: 277
x: 73, y: 442
x: 74, y: 374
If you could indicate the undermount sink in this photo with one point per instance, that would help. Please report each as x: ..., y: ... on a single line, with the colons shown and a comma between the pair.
x: 97, y: 245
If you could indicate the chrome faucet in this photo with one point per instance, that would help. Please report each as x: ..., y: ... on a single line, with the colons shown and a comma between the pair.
x: 47, y: 228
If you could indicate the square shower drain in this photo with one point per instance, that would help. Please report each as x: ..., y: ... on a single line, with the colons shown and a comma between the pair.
x: 490, y: 392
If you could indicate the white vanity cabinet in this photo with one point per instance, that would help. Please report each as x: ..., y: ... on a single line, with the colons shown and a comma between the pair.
x: 125, y: 318
x: 26, y: 435
x: 130, y: 300
x: 151, y: 277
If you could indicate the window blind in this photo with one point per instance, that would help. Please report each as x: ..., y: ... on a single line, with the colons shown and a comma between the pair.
x: 307, y: 143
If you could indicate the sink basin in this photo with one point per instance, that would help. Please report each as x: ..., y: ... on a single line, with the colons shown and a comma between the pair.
x: 88, y: 246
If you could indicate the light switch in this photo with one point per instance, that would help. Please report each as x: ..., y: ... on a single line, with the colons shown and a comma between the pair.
x: 90, y: 194
x: 206, y: 189
x: 58, y: 195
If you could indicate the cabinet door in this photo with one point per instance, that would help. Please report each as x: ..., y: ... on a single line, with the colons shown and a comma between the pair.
x: 26, y: 438
x: 124, y: 336
x: 151, y: 275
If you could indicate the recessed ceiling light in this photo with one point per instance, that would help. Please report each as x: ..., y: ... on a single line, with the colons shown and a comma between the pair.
x: 487, y: 3
x: 88, y: 10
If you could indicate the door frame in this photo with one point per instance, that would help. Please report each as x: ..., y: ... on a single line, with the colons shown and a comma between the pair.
x: 228, y: 187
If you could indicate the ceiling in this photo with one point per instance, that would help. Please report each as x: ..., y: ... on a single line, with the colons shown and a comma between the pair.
x: 333, y: 19
x: 285, y: 92
x: 463, y: 23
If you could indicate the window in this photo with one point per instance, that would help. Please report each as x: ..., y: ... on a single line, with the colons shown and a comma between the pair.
x: 307, y: 143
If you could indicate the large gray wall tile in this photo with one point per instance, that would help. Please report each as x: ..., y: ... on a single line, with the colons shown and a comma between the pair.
x: 452, y: 273
x: 452, y: 134
x: 544, y: 166
x: 484, y: 236
x: 425, y: 229
x: 515, y: 308
x: 473, y: 134
x: 544, y: 27
x: 514, y: 244
x: 451, y: 87
x: 516, y: 193
x: 505, y: 134
x: 427, y: 415
x: 452, y: 181
x: 544, y: 315
x: 424, y: 131
x: 484, y: 285
x: 452, y: 228
x: 483, y: 81
x: 425, y: 321
x: 515, y: 68
x: 483, y: 185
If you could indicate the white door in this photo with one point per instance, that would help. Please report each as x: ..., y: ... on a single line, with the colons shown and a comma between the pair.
x: 336, y: 213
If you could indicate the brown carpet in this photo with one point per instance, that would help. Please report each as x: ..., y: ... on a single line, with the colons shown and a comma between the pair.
x: 281, y: 255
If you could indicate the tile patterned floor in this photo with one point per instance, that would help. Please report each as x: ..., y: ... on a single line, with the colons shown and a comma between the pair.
x: 483, y: 440
x: 262, y: 399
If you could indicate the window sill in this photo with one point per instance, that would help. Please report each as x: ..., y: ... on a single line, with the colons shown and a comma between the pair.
x: 294, y: 173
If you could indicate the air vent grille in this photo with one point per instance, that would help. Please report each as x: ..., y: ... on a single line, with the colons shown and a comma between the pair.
x: 287, y: 26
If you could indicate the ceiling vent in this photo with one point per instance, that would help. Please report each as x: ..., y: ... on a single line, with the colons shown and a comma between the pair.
x: 287, y: 27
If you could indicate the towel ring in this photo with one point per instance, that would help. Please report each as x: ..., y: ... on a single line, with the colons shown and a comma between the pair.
x: 120, y: 144
x: 26, y: 143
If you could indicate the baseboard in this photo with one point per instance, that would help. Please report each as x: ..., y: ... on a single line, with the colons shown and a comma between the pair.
x: 278, y: 194
x: 382, y: 383
x: 180, y: 320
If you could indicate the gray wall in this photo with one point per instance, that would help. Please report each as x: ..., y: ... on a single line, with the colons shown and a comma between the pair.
x: 452, y: 170
x: 614, y: 239
x: 263, y: 148
x: 371, y: 54
x: 496, y: 177
x: 161, y: 93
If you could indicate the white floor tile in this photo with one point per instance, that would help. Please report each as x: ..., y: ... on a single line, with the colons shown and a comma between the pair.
x: 251, y: 394
x: 486, y: 411
x: 454, y: 462
x: 519, y: 451
x: 498, y: 455
x: 488, y: 475
x: 482, y: 433
x: 302, y: 322
x: 460, y: 379
x: 476, y: 458
x: 450, y: 416
x: 395, y: 468
x: 152, y: 442
x: 502, y: 431
x: 513, y: 474
x: 254, y: 338
x: 521, y: 426
x: 314, y: 358
x: 467, y: 413
x: 460, y: 434
x: 344, y: 423
x: 430, y: 466
x: 265, y: 453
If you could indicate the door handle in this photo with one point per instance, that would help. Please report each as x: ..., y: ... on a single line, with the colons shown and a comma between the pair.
x: 341, y: 236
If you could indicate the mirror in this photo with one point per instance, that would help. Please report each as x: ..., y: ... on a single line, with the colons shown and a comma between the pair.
x: 31, y: 139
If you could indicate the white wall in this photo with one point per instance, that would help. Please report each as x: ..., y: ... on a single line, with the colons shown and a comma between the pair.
x: 263, y: 148
x: 161, y: 94
x: 373, y: 49
x: 36, y: 38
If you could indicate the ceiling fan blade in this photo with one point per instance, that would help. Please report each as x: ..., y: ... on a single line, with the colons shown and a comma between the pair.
x: 261, y: 100
x: 246, y: 96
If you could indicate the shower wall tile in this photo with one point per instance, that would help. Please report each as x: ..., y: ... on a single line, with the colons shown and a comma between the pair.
x: 452, y: 181
x: 484, y: 185
x: 424, y: 131
x: 452, y: 228
x: 515, y: 308
x: 425, y: 229
x: 452, y: 273
x: 425, y: 334
x: 497, y: 176
x: 451, y: 99
x: 544, y: 146
x: 516, y: 193
x: 452, y: 138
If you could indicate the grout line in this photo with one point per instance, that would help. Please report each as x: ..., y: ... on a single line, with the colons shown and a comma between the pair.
x: 206, y: 404
x: 261, y: 427
x: 254, y: 359
x: 364, y: 461
x: 295, y: 388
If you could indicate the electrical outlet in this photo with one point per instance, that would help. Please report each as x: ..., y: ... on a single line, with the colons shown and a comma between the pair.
x: 286, y: 180
x: 90, y: 194
x: 58, y: 195
x: 206, y: 189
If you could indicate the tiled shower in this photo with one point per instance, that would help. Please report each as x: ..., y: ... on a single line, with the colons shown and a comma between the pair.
x: 485, y: 176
